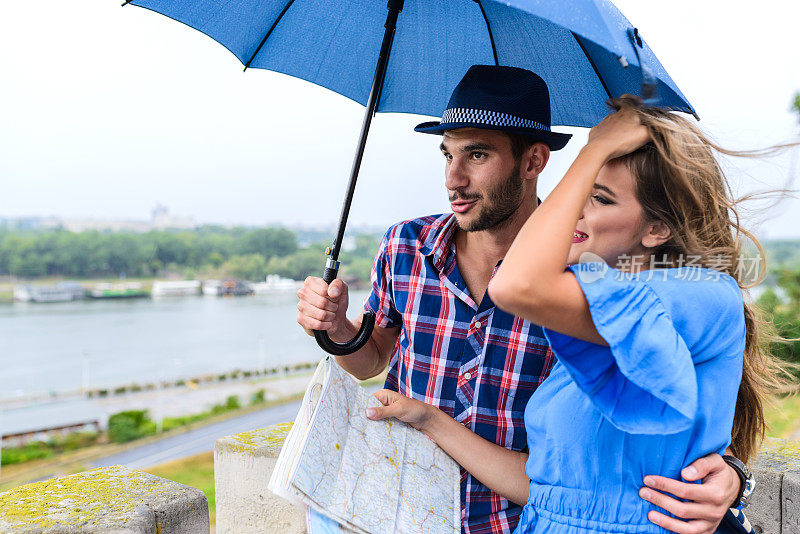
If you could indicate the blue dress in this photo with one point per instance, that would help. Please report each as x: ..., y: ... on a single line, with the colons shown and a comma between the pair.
x: 659, y: 397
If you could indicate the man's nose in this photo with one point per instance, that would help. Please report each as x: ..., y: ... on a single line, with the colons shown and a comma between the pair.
x: 455, y: 175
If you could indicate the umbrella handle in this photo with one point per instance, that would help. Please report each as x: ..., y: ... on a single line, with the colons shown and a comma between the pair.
x: 364, y: 333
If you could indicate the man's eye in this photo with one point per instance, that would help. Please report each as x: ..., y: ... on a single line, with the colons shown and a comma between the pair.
x: 601, y: 199
x: 447, y: 156
x: 478, y: 155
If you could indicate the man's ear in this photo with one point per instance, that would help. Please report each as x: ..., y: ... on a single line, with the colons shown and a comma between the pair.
x: 535, y: 159
x: 657, y: 233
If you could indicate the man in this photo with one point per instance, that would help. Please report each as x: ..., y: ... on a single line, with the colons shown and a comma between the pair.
x: 441, y: 336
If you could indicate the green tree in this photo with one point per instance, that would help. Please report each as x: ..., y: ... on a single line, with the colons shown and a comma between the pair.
x: 249, y: 267
x: 268, y: 242
x: 305, y: 262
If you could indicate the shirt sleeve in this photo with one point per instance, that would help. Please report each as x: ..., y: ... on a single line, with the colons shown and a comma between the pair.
x: 645, y: 381
x: 380, y: 300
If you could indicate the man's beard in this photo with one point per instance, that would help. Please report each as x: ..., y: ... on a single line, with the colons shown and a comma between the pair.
x: 502, y: 202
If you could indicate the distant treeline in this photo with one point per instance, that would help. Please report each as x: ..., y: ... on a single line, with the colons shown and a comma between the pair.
x: 210, y: 251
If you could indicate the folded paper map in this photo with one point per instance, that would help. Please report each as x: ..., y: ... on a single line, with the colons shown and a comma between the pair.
x: 368, y: 476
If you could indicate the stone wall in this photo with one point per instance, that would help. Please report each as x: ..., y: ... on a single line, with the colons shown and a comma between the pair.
x: 775, y: 506
x: 110, y: 499
x: 243, y: 464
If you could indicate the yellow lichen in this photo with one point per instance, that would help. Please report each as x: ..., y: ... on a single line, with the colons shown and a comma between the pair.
x: 248, y: 442
x: 109, y: 494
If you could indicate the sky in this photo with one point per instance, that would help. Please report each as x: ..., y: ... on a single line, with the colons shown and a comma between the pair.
x: 106, y: 111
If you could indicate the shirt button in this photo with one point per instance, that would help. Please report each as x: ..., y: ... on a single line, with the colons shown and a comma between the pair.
x: 468, y: 375
x: 477, y: 324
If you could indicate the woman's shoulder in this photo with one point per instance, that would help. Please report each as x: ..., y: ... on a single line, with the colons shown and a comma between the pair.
x: 674, y: 282
x: 702, y: 303
x: 707, y: 288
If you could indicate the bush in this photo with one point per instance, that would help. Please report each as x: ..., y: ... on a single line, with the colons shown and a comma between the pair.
x: 77, y: 440
x: 129, y: 425
x: 31, y: 451
x: 233, y: 402
x: 257, y: 397
x: 46, y: 449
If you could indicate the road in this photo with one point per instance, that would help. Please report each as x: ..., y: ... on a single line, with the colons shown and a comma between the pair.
x: 202, y: 439
x: 198, y: 440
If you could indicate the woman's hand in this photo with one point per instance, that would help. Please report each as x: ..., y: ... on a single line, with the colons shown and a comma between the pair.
x: 416, y: 413
x: 618, y: 134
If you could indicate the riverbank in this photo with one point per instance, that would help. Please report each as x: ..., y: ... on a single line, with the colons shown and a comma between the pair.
x: 80, y: 460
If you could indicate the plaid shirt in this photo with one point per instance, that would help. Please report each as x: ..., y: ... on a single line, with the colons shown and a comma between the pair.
x: 476, y: 362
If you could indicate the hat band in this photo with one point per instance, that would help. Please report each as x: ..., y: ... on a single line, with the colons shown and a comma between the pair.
x: 492, y: 118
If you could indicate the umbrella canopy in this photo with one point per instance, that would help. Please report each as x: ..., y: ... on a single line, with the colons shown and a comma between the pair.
x: 409, y: 60
x: 580, y: 48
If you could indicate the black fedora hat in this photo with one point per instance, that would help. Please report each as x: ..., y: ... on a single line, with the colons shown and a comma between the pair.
x: 508, y: 99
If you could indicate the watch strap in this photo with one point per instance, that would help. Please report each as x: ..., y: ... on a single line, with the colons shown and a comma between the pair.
x: 746, y: 478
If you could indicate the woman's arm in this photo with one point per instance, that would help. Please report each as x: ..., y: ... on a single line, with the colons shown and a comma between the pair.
x: 541, y: 291
x: 500, y: 469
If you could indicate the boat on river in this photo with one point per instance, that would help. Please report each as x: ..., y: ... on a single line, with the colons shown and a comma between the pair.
x: 227, y: 288
x: 124, y: 290
x: 175, y: 288
x: 276, y: 284
x: 60, y: 292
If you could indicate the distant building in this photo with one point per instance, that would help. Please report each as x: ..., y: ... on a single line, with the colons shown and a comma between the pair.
x: 160, y: 220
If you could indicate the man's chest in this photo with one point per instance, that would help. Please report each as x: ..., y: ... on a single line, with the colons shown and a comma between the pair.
x: 450, y: 345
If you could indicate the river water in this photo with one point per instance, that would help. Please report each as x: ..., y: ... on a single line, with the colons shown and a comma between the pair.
x: 62, y: 347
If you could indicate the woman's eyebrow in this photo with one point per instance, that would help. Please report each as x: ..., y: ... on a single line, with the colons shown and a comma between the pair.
x: 604, y: 188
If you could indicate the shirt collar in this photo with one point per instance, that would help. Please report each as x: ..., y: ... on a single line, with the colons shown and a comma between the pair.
x: 438, y: 243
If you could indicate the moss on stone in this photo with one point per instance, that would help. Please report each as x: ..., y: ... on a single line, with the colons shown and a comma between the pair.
x: 779, y: 454
x: 251, y: 441
x: 108, y: 495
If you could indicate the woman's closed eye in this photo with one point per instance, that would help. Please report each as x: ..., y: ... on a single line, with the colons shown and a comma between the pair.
x: 602, y: 200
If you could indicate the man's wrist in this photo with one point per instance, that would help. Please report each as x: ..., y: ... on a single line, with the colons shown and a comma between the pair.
x: 747, y: 482
x: 344, y: 333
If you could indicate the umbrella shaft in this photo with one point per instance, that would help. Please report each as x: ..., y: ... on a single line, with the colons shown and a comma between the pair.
x: 394, y: 7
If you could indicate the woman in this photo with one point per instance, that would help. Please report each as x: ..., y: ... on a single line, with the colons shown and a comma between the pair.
x: 650, y: 354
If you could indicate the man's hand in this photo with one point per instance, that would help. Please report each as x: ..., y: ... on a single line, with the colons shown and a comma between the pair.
x: 415, y: 413
x: 708, y: 501
x: 324, y: 307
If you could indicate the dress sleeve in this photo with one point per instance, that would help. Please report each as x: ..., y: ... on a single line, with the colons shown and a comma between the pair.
x: 645, y: 381
x: 380, y: 300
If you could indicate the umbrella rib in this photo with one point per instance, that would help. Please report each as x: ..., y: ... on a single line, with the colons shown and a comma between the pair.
x: 488, y: 27
x: 597, y: 72
x: 264, y: 40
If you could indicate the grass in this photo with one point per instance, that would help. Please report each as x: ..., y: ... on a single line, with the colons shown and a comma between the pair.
x: 783, y: 419
x: 196, y: 471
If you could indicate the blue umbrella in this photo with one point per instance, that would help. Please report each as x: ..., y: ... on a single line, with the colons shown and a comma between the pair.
x: 585, y: 50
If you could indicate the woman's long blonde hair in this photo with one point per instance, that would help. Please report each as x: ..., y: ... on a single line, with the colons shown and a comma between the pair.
x: 679, y: 182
